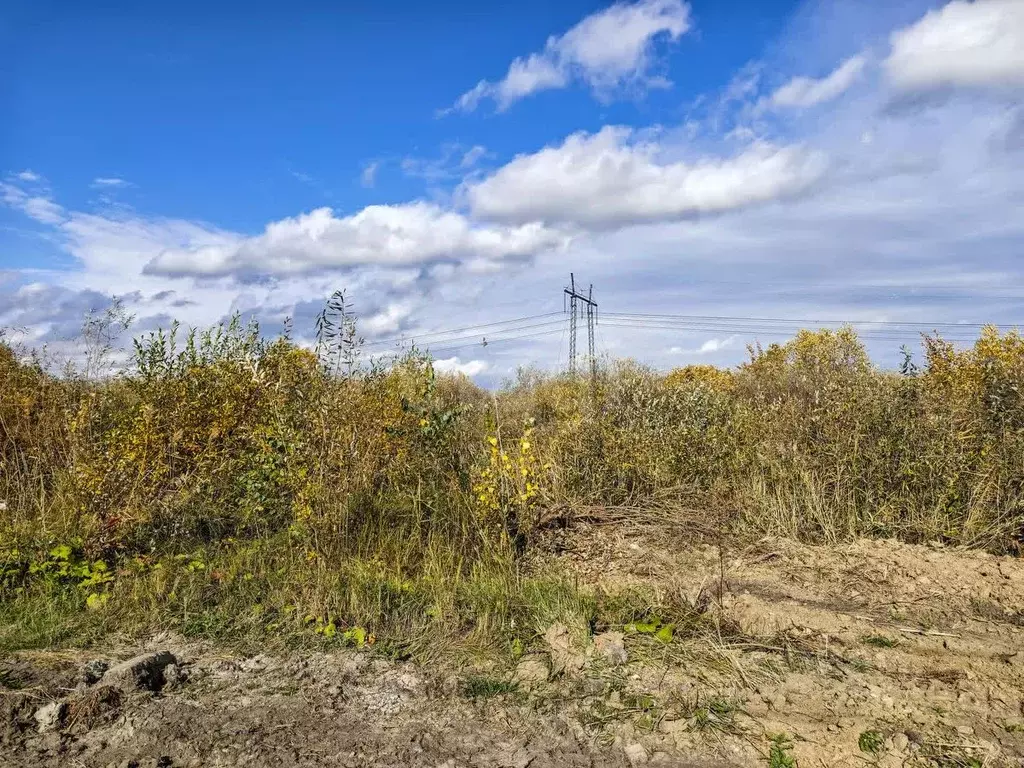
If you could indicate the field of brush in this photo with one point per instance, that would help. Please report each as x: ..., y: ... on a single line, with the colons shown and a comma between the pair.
x: 229, y: 489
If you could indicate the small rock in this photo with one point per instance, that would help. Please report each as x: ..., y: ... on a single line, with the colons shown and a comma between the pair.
x: 611, y: 647
x: 965, y: 730
x: 636, y: 754
x: 145, y: 671
x: 49, y: 716
x: 900, y: 742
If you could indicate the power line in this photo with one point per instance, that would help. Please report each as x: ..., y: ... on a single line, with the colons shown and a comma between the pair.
x: 483, y: 340
x: 443, y: 350
x: 754, y: 327
x: 895, y: 290
x: 454, y: 334
x: 874, y: 334
x: 792, y: 321
x: 533, y: 335
x: 451, y: 331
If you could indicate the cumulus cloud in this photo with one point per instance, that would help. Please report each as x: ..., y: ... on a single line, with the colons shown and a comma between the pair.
x: 964, y: 44
x: 28, y: 175
x: 388, y: 235
x: 808, y: 92
x: 455, y: 365
x: 605, y: 51
x: 606, y: 179
x: 124, y: 243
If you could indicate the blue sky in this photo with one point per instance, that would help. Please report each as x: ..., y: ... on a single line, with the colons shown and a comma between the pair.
x: 448, y: 164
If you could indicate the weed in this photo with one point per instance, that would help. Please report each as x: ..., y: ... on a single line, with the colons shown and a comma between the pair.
x: 780, y: 753
x: 880, y: 641
x: 716, y: 714
x: 871, y: 742
x: 485, y: 687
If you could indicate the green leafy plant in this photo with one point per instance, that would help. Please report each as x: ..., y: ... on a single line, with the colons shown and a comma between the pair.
x: 64, y: 567
x: 652, y: 625
x: 780, y: 753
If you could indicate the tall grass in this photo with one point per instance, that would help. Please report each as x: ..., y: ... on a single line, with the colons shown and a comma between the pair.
x: 229, y: 485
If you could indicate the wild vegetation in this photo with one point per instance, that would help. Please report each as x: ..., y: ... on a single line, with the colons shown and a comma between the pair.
x: 232, y: 486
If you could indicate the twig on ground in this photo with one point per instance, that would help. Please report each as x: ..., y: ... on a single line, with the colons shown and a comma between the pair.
x: 929, y: 632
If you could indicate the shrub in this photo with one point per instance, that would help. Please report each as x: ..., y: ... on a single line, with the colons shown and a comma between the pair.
x: 270, y: 482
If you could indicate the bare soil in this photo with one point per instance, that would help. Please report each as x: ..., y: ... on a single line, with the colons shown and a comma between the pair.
x: 919, y: 647
x: 869, y: 653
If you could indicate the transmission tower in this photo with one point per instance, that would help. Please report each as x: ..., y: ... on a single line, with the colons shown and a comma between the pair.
x: 575, y: 299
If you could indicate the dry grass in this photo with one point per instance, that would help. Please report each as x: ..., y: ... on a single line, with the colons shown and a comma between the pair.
x: 231, y: 486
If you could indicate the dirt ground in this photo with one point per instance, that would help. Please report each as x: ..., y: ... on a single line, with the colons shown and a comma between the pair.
x: 870, y: 653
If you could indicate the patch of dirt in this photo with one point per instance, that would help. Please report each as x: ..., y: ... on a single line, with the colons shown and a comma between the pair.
x: 341, y: 709
x: 871, y: 651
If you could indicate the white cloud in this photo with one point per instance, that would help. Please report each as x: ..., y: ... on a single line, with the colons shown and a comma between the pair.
x: 604, y: 179
x: 455, y: 365
x: 808, y: 92
x: 472, y: 156
x: 708, y: 347
x: 28, y: 175
x: 40, y: 208
x: 453, y: 163
x: 388, y: 320
x: 109, y: 182
x: 369, y: 175
x: 716, y: 345
x: 124, y: 244
x: 43, y: 210
x: 606, y: 50
x: 892, y: 231
x: 964, y: 44
x: 387, y: 235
